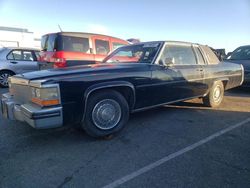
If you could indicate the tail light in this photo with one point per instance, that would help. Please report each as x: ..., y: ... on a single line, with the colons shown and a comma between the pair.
x: 59, y: 62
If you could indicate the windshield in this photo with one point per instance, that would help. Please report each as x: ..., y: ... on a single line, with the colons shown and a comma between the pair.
x: 140, y: 53
x: 241, y: 53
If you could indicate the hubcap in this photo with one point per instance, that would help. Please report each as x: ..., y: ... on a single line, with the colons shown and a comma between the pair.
x: 106, y: 114
x: 4, y: 79
x: 217, y: 94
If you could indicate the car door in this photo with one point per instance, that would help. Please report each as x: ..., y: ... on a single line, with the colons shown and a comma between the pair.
x: 101, y: 47
x: 21, y: 61
x: 180, y: 80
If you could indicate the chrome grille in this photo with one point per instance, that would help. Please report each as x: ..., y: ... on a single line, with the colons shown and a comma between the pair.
x: 21, y: 93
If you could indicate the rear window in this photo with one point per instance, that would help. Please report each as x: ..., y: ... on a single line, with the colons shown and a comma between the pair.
x: 73, y: 44
x: 211, y: 57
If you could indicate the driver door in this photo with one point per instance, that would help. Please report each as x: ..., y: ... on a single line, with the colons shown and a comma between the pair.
x: 180, y: 80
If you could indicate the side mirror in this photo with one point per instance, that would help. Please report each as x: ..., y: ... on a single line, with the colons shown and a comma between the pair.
x: 167, y: 62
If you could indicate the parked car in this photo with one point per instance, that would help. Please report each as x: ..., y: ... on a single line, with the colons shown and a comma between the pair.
x: 133, y: 78
x: 242, y: 56
x: 70, y: 48
x: 16, y: 61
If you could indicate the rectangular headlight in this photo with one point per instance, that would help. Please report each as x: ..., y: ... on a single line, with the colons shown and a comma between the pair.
x: 47, y: 96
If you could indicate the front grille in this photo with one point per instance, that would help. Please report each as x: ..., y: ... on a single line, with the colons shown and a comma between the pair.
x: 21, y: 93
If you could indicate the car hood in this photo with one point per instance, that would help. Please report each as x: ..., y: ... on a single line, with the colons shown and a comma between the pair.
x: 84, y: 70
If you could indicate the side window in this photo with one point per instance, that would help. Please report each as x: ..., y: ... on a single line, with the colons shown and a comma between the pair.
x: 21, y: 55
x: 102, y: 47
x: 211, y: 57
x: 200, y: 58
x: 117, y: 45
x: 182, y: 55
x: 27, y: 56
x: 15, y: 55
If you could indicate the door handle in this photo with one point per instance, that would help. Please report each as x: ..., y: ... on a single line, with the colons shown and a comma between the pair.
x: 14, y: 62
x: 199, y: 70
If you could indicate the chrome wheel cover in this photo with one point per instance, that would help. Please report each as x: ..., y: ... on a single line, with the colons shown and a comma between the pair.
x: 106, y: 114
x: 217, y: 94
x: 4, y: 79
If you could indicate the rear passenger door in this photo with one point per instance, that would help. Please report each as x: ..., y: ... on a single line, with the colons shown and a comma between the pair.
x: 21, y: 61
x: 101, y: 47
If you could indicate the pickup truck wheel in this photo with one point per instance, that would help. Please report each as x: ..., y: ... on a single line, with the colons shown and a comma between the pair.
x: 106, y: 113
x: 215, y: 95
x: 4, y: 75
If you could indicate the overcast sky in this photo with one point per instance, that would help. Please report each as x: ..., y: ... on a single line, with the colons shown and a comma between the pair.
x: 218, y: 23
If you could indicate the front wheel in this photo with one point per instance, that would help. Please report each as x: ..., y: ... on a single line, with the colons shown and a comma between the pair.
x: 215, y: 95
x: 107, y: 112
x: 4, y: 75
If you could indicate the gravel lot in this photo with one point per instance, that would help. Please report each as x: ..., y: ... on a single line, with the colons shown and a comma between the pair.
x: 153, y: 142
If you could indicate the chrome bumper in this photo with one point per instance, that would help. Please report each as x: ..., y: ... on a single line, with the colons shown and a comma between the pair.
x: 32, y: 114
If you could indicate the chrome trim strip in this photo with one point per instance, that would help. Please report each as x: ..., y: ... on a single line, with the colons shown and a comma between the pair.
x: 192, y: 80
x: 243, y: 75
x: 153, y: 106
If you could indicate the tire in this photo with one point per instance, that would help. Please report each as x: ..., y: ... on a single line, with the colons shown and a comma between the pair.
x: 106, y: 113
x: 215, y: 95
x: 4, y: 75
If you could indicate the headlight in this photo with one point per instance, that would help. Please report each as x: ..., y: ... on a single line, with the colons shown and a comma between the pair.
x: 47, y: 96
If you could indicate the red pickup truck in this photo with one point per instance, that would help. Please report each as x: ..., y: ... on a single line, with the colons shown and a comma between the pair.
x: 64, y: 49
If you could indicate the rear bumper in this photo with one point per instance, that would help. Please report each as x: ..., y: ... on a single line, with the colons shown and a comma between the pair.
x: 32, y: 114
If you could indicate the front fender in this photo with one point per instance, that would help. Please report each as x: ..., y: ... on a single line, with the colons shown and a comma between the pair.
x: 108, y: 85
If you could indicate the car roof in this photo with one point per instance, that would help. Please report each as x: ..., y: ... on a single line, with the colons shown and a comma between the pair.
x: 248, y: 46
x: 83, y: 33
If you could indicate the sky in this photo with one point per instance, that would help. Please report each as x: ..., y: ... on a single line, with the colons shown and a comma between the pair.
x: 218, y: 23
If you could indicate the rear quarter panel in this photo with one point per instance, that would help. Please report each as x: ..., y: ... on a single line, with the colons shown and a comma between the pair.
x: 230, y: 73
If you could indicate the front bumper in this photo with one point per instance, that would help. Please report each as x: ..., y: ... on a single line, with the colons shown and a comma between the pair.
x: 32, y: 114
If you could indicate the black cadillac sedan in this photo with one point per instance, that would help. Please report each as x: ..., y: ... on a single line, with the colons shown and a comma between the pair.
x: 100, y: 97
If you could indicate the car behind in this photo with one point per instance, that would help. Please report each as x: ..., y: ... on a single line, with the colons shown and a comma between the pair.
x: 241, y: 55
x: 16, y: 61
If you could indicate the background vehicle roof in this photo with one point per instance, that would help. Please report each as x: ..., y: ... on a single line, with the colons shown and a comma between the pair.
x: 84, y: 34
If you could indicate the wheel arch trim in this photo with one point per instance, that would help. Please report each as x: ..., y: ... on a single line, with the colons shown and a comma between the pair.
x: 107, y: 85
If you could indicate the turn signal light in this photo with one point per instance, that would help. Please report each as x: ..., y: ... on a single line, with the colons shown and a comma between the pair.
x: 40, y: 102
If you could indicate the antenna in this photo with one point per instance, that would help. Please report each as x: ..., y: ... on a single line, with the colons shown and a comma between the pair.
x: 60, y: 27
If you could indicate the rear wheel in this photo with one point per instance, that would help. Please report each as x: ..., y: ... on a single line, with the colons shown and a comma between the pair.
x: 4, y: 75
x: 215, y: 95
x: 107, y: 112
